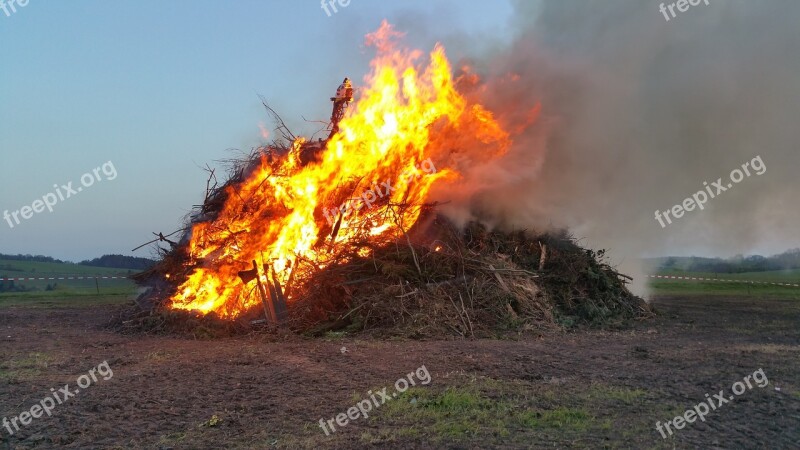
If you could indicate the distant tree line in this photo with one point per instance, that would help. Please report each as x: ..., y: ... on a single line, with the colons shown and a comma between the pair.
x: 110, y: 261
x: 120, y: 262
x: 31, y: 258
x: 785, y: 261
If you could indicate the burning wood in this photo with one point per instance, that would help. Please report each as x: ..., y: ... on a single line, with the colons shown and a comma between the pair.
x: 273, y: 209
x: 275, y: 305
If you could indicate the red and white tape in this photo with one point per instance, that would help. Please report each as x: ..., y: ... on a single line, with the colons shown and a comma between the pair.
x: 667, y: 277
x: 62, y: 278
x: 719, y: 279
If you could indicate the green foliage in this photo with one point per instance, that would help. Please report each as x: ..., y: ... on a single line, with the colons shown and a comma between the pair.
x: 120, y: 262
x: 787, y: 260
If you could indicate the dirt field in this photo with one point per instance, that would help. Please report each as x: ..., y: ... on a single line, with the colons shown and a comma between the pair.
x: 589, y: 389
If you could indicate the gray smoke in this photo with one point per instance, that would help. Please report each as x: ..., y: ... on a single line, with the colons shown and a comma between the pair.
x: 636, y: 113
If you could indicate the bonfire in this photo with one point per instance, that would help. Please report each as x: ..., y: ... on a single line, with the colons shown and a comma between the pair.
x: 344, y: 233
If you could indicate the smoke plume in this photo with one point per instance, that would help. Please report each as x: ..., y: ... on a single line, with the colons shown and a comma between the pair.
x: 636, y: 112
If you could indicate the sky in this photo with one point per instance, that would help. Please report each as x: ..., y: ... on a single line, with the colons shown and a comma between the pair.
x: 639, y: 109
x: 158, y: 90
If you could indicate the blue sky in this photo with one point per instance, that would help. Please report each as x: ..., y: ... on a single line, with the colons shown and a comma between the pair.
x: 161, y: 89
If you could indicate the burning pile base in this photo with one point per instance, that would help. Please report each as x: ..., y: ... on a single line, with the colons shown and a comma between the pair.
x: 434, y: 280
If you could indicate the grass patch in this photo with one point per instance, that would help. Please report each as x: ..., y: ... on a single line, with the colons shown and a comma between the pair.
x: 563, y: 417
x: 732, y: 288
x: 61, y: 300
x: 24, y: 368
x: 466, y: 413
x: 172, y: 438
x: 159, y: 356
x: 497, y: 413
x: 51, y: 268
x: 56, y: 289
x: 778, y: 276
x: 334, y: 335
x: 601, y: 392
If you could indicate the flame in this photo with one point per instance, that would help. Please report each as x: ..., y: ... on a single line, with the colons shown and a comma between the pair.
x: 406, y: 129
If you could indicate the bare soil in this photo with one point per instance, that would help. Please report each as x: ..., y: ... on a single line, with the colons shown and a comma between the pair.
x: 582, y: 389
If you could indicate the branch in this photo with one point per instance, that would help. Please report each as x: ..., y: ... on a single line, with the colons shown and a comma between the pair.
x: 282, y: 128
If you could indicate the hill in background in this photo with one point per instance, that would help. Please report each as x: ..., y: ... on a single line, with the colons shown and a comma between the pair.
x: 106, y: 261
x: 787, y: 260
x: 120, y: 262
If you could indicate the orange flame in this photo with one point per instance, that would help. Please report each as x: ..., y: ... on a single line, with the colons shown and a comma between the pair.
x: 406, y: 127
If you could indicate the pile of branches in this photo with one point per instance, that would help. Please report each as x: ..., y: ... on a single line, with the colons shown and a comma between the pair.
x: 436, y: 280
x: 468, y: 282
x: 430, y: 279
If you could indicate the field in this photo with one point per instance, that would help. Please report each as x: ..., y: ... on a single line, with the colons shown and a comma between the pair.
x: 567, y: 389
x: 68, y: 293
x: 760, y: 288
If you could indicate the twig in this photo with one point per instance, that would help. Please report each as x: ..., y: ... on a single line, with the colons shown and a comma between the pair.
x: 413, y: 253
x: 499, y: 280
x: 160, y: 237
x: 415, y: 291
x: 534, y: 275
x: 624, y: 276
x: 281, y: 124
x: 469, y: 321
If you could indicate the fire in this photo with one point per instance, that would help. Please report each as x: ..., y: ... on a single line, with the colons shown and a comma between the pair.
x: 407, y: 112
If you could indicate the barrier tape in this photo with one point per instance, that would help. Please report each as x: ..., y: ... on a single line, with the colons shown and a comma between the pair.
x: 63, y: 278
x: 669, y: 277
x: 718, y: 279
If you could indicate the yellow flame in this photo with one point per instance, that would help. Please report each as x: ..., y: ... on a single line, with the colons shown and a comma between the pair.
x: 385, y: 138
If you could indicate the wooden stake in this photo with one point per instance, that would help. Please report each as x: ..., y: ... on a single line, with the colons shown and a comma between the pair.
x: 280, y: 298
x: 270, y: 315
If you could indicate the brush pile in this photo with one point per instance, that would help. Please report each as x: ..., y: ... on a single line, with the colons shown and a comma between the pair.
x: 431, y: 279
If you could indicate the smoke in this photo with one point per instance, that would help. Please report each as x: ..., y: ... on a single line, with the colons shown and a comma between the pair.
x: 636, y: 113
